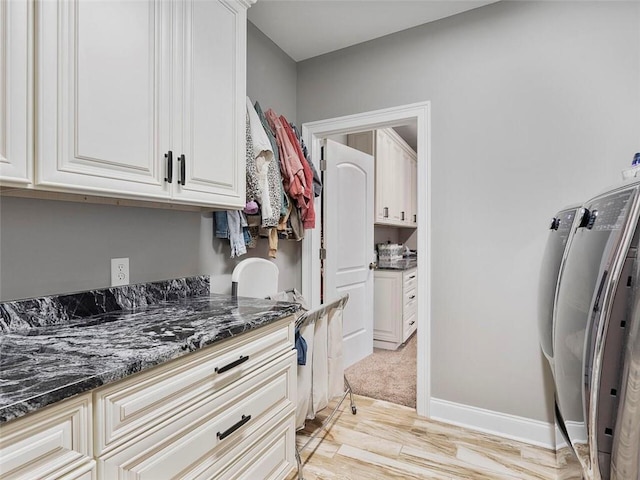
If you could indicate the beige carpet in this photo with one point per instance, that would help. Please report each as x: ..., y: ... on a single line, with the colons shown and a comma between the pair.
x: 387, y: 375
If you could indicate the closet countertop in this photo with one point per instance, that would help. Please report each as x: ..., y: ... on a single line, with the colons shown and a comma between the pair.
x: 42, y: 365
x: 406, y: 263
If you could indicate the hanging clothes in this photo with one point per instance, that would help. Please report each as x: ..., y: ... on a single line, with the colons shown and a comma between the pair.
x: 317, y: 182
x: 263, y: 154
x: 236, y: 222
x: 307, y: 208
x: 275, y: 178
x: 254, y: 193
x: 293, y: 177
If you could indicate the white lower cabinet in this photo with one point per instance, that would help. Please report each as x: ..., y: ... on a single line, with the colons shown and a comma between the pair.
x: 225, y: 412
x: 395, y: 307
x: 203, y: 433
x: 53, y: 443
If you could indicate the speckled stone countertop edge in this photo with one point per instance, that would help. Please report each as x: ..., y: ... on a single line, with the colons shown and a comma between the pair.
x: 41, y: 366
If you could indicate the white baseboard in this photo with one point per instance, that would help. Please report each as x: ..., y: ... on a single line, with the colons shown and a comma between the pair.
x: 522, y: 429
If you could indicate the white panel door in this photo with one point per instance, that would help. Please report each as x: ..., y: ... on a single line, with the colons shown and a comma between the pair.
x: 211, y: 89
x: 104, y: 88
x: 348, y: 229
x: 16, y: 84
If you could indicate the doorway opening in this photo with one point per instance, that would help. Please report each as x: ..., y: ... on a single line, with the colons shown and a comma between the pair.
x: 419, y: 114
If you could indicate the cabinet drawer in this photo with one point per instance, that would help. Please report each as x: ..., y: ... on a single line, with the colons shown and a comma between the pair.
x: 270, y: 456
x: 409, y: 325
x: 204, y: 432
x: 86, y: 472
x: 47, y: 444
x: 409, y: 299
x: 410, y: 279
x: 126, y: 409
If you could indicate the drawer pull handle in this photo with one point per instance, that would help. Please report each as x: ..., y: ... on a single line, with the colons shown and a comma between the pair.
x: 412, y: 297
x: 232, y: 364
x: 233, y: 428
x: 411, y: 323
x: 412, y: 276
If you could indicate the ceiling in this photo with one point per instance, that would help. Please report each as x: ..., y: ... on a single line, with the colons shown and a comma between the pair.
x: 308, y: 28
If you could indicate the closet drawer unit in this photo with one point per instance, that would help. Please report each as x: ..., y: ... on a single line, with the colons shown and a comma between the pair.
x: 52, y: 443
x: 410, y: 299
x: 270, y: 457
x: 395, y: 307
x: 410, y: 278
x: 202, y: 434
x: 130, y: 407
x: 410, y: 325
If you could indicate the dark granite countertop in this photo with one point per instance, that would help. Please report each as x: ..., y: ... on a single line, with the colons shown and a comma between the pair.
x: 406, y: 263
x: 41, y: 365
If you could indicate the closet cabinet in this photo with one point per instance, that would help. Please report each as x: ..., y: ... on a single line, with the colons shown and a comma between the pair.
x: 395, y: 307
x: 143, y: 99
x: 16, y: 98
x: 396, y: 176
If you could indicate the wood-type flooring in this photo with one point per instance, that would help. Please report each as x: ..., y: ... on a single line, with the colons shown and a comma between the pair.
x: 388, y: 441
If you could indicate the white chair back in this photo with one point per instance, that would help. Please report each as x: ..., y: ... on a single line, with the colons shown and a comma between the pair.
x: 254, y: 277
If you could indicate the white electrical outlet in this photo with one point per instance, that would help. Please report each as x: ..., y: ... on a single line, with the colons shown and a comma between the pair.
x: 119, y: 271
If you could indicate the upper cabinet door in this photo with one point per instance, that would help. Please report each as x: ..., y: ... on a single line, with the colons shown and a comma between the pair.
x: 385, y: 189
x: 211, y: 94
x: 104, y: 89
x: 122, y: 83
x: 16, y: 99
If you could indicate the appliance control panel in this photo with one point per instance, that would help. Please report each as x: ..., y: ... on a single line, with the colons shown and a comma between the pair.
x: 609, y: 213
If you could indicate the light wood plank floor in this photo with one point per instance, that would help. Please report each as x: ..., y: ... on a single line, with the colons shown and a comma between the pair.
x: 388, y: 441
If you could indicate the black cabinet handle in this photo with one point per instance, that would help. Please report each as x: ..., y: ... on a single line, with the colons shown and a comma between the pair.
x: 183, y: 170
x: 385, y: 212
x: 411, y: 323
x: 412, y: 297
x: 401, y: 215
x: 233, y: 364
x: 415, y: 218
x: 169, y: 157
x: 233, y: 428
x: 412, y: 276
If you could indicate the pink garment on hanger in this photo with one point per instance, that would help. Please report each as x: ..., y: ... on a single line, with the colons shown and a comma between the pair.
x: 307, y: 209
x: 293, y: 177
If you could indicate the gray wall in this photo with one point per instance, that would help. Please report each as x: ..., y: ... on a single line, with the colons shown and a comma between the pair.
x: 271, y: 80
x: 534, y: 105
x: 49, y: 247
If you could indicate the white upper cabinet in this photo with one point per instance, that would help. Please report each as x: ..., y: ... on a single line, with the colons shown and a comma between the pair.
x: 212, y: 89
x: 396, y: 175
x: 16, y: 99
x: 143, y: 99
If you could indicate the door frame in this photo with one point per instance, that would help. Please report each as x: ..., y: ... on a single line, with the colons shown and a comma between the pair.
x: 313, y: 133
